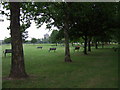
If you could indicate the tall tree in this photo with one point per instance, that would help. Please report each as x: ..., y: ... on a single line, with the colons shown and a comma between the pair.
x: 89, y: 44
x: 53, y: 37
x: 33, y: 40
x: 17, y: 60
x: 56, y: 14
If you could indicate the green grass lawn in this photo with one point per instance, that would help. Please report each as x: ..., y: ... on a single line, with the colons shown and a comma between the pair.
x: 98, y: 69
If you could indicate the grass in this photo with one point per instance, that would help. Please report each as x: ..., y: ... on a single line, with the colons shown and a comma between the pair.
x: 98, y: 69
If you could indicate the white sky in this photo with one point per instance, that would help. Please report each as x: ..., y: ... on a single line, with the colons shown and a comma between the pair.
x: 32, y: 31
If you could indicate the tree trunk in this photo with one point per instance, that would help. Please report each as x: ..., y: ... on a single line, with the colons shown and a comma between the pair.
x: 67, y: 50
x: 72, y: 44
x: 17, y: 62
x: 85, y: 45
x: 89, y: 45
x: 56, y: 44
x: 102, y: 44
x: 96, y: 45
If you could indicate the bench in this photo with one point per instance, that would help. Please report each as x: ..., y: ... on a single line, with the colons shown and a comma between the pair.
x: 77, y: 48
x: 7, y: 51
x: 39, y: 47
x: 52, y: 49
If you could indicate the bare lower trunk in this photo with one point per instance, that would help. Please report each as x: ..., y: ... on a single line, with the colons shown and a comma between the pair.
x: 85, y: 45
x: 17, y: 62
x: 89, y: 45
x: 67, y: 50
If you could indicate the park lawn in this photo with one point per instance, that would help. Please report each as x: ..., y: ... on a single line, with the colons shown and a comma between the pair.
x: 98, y: 69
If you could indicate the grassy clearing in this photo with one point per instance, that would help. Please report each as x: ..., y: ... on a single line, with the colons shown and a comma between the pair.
x: 98, y: 69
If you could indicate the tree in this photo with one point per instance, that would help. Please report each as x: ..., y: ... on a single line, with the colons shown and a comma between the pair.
x: 53, y: 37
x: 33, y: 40
x: 56, y: 14
x: 7, y: 40
x: 115, y: 24
x: 17, y: 61
x: 94, y: 21
x: 89, y: 44
x: 24, y: 18
x: 107, y: 17
x: 60, y: 36
x: 82, y: 23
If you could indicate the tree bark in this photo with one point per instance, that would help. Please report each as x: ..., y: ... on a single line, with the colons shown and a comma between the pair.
x: 17, y: 62
x: 89, y: 45
x: 67, y: 50
x: 85, y: 45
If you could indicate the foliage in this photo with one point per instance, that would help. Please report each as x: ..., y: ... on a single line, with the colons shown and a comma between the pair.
x: 53, y: 36
x: 33, y: 40
x: 93, y: 19
x: 7, y: 40
x: 24, y: 36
